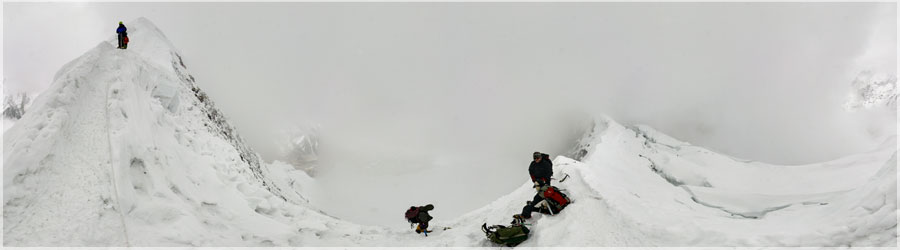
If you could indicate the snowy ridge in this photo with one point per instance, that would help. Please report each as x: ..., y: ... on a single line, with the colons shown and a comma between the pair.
x: 124, y: 144
x: 638, y: 187
x: 124, y: 149
x: 747, y: 203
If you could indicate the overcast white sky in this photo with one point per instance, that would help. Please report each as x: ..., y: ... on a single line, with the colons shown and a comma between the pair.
x: 761, y: 81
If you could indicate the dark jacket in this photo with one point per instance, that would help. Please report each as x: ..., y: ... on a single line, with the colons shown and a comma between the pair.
x: 121, y: 29
x: 541, y: 172
x: 423, y: 213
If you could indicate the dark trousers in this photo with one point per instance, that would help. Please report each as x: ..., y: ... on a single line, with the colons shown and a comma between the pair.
x: 526, y: 211
x: 121, y: 40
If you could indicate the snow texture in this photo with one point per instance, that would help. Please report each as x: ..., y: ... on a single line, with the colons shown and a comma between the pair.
x: 124, y: 149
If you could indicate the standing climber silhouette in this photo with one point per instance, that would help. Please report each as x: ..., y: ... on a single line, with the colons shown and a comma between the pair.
x: 123, y: 36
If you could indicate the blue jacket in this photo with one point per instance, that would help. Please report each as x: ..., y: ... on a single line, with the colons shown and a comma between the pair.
x: 121, y: 29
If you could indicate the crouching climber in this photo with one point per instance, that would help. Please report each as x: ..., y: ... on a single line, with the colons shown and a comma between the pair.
x: 548, y: 199
x: 540, y: 170
x: 420, y: 216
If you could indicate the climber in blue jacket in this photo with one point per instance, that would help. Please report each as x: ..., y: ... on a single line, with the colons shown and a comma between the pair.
x: 123, y: 37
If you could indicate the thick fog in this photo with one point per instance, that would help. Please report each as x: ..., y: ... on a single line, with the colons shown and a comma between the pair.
x: 444, y: 102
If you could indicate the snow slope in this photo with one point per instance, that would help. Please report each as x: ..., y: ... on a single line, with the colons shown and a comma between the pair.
x: 689, y: 196
x: 638, y: 187
x: 124, y: 149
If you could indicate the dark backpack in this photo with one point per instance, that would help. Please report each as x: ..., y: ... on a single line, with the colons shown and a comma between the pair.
x: 507, y: 235
x: 412, y: 215
x: 556, y: 198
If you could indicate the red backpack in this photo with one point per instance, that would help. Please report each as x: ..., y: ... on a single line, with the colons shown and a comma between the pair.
x: 412, y: 215
x: 553, y: 194
x: 125, y: 40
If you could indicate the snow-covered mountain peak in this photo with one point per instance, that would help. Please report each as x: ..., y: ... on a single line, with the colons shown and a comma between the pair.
x: 125, y: 149
x: 125, y: 141
x: 872, y: 90
x: 150, y: 42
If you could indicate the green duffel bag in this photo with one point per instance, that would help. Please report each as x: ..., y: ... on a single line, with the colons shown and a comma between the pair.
x: 507, y: 235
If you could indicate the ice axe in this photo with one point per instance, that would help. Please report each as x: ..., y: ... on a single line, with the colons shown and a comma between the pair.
x: 564, y: 178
